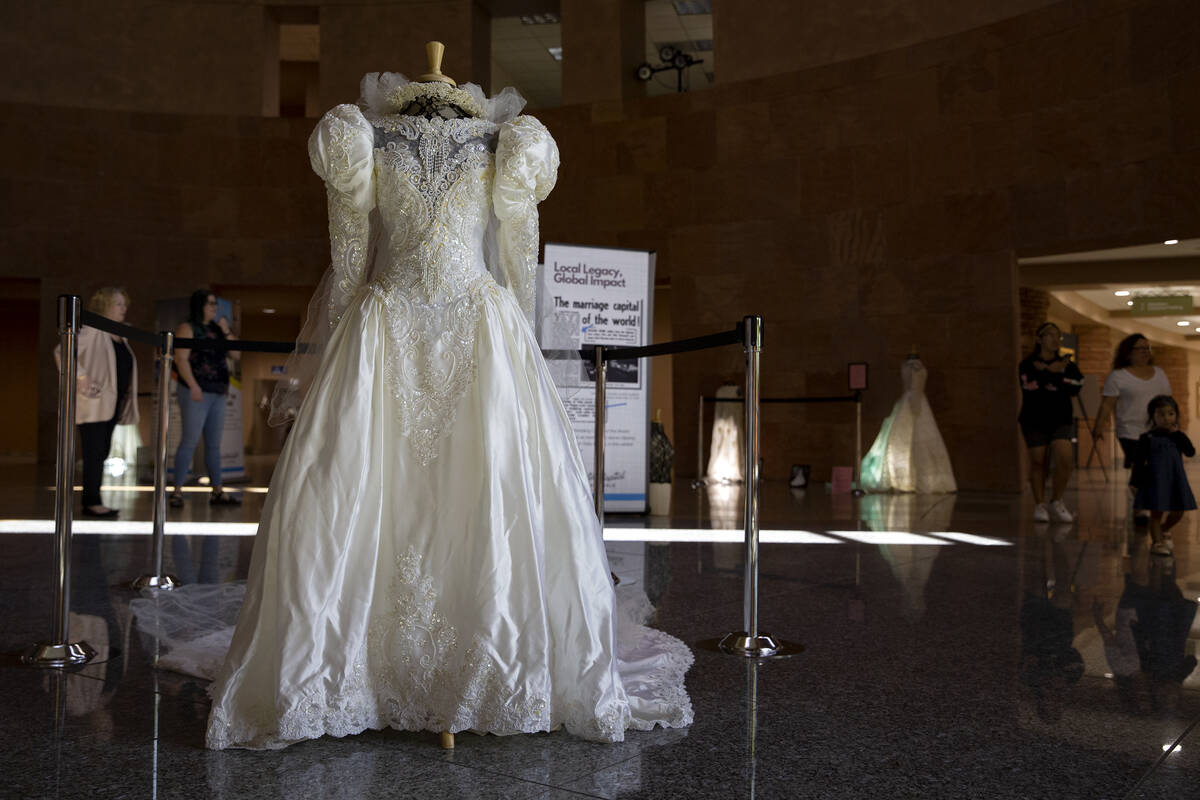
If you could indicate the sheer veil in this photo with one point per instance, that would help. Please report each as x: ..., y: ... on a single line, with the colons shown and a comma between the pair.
x: 301, y: 365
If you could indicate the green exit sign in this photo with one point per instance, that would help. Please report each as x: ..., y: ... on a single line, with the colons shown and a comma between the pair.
x: 1166, y: 305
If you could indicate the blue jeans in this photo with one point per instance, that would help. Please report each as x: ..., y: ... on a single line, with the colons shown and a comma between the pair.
x: 207, y: 417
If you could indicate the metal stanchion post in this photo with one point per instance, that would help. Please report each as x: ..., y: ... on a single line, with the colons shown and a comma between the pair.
x: 752, y: 642
x: 59, y: 652
x: 858, y: 490
x: 700, y: 442
x: 158, y: 580
x: 598, y: 474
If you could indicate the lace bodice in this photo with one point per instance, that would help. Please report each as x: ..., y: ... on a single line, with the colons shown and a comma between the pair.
x: 415, y: 207
x: 433, y: 193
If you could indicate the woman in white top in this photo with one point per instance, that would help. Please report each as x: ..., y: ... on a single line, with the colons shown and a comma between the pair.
x: 1128, y: 389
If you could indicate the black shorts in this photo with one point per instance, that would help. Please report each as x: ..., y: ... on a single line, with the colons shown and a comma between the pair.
x: 1127, y: 447
x: 1040, y: 436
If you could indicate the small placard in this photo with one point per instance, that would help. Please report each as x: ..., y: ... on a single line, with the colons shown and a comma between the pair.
x: 843, y: 478
x: 857, y: 375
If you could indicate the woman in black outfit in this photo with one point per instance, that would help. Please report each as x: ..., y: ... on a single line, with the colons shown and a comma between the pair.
x: 1048, y: 382
x: 203, y: 384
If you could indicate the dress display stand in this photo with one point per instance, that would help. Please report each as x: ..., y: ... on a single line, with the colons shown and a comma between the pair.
x: 909, y: 454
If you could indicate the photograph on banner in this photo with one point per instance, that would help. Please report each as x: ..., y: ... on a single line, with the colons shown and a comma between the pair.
x: 598, y: 295
x: 169, y: 314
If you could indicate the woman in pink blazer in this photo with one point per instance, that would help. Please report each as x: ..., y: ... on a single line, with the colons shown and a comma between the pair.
x: 107, y: 393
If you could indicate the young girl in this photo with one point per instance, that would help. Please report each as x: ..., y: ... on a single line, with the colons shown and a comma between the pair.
x: 1158, y: 474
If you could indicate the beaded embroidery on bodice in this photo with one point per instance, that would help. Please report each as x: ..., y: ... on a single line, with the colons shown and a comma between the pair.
x: 434, y: 180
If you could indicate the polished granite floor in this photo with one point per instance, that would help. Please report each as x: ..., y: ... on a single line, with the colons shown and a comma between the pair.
x: 933, y: 666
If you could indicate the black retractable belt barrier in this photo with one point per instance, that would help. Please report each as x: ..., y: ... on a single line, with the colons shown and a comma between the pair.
x: 93, y: 320
x: 156, y: 340
x: 751, y: 642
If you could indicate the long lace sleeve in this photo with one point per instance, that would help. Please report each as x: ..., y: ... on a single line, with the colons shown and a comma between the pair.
x: 341, y: 151
x: 526, y: 169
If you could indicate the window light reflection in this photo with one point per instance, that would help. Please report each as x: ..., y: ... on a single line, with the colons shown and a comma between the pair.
x: 695, y: 535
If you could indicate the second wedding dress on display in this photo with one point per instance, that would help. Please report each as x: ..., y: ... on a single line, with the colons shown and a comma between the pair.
x: 909, y: 454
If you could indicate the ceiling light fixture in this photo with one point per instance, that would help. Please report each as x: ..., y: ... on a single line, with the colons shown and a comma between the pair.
x: 1171, y: 241
x: 1122, y: 293
x: 1128, y: 302
x: 268, y: 311
x: 1183, y: 323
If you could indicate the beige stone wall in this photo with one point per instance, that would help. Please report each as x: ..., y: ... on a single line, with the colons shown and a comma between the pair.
x: 194, y: 57
x: 756, y: 39
x: 357, y: 38
x: 138, y: 55
x: 870, y: 206
x: 863, y: 208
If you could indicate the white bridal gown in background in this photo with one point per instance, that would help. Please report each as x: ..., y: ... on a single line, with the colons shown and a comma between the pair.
x: 909, y: 454
x: 428, y: 556
x: 725, y: 452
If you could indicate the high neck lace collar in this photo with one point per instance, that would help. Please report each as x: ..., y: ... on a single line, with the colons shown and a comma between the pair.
x: 390, y: 93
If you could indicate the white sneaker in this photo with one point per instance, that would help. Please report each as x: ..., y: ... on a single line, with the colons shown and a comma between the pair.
x: 1040, y: 514
x: 1060, y: 513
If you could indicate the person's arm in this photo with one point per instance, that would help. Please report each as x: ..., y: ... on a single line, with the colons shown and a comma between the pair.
x: 1106, y: 409
x: 1183, y: 443
x: 1030, y: 377
x: 223, y: 324
x: 1140, y: 458
x: 183, y: 365
x: 1072, y: 379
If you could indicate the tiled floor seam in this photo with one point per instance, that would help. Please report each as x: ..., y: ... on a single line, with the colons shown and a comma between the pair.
x: 1162, y: 759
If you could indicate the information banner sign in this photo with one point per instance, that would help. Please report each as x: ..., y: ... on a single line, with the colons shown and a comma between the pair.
x: 597, y: 295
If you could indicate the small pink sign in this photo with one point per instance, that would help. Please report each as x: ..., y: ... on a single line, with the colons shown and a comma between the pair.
x: 843, y: 477
x: 857, y: 376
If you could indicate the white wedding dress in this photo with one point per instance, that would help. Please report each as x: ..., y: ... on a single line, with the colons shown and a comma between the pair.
x: 428, y: 556
x: 909, y: 454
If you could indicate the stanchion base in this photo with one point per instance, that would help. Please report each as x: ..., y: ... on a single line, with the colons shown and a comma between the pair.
x: 762, y: 646
x: 57, y: 656
x: 155, y: 582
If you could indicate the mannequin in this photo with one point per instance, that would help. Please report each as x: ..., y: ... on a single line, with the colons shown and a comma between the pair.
x: 429, y: 558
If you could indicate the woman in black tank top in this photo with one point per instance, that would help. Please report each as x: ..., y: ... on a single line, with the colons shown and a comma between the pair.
x: 203, y: 384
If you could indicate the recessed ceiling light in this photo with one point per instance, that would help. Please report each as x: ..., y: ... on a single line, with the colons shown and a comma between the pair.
x: 1171, y: 241
x: 1183, y: 323
x: 268, y: 311
x: 1122, y: 293
x: 1128, y: 302
x: 546, y: 18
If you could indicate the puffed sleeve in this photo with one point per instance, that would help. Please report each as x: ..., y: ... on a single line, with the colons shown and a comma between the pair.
x: 341, y: 150
x: 526, y: 169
